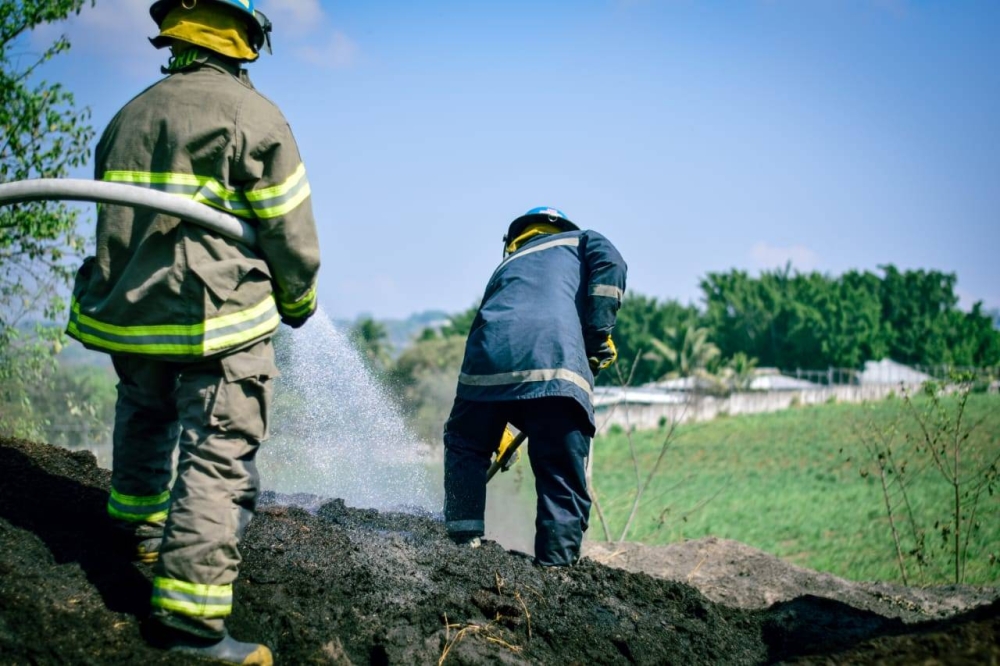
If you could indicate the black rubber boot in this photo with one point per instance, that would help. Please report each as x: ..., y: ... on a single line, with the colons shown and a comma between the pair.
x: 227, y: 649
x: 147, y: 551
x: 139, y: 542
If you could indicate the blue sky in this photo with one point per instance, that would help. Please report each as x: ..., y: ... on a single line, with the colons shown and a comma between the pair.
x: 698, y: 136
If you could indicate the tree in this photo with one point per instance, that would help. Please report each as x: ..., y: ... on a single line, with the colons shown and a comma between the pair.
x: 686, y: 351
x: 810, y: 320
x: 425, y: 377
x: 76, y: 407
x: 856, y: 331
x: 746, y: 314
x: 916, y: 307
x: 460, y: 324
x: 641, y: 319
x: 372, y: 340
x: 42, y: 135
x: 739, y: 371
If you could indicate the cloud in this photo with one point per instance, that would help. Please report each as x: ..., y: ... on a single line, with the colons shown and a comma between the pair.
x: 767, y: 256
x: 115, y: 29
x: 294, y: 16
x: 306, y: 20
x: 338, y: 52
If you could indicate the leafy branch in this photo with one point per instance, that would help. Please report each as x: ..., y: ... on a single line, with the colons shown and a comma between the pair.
x: 42, y: 134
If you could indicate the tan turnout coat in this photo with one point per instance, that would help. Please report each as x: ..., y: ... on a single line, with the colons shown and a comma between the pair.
x: 165, y: 288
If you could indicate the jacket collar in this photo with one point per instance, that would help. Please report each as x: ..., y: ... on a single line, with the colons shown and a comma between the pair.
x: 194, y: 58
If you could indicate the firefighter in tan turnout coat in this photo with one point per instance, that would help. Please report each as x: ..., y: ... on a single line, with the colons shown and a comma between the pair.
x: 187, y: 315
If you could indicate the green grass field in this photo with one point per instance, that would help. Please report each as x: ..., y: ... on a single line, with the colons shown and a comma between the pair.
x: 790, y: 483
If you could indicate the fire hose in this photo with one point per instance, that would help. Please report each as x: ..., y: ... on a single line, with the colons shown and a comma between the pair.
x: 74, y: 189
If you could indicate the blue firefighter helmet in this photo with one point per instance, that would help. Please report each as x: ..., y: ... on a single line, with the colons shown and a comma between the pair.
x: 258, y: 23
x: 539, y: 214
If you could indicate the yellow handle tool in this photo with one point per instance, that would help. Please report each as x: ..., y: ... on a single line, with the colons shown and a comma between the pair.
x: 505, y: 453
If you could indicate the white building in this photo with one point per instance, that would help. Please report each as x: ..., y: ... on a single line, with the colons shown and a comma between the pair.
x: 888, y: 371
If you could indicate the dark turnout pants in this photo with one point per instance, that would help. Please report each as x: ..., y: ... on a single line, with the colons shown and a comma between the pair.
x: 557, y: 449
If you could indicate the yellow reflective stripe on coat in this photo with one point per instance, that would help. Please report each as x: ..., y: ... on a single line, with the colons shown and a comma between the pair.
x: 192, y: 599
x: 202, y: 189
x: 139, y: 508
x: 278, y: 200
x: 303, y: 306
x: 190, y: 340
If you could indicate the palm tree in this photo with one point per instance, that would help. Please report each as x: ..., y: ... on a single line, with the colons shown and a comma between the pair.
x: 739, y: 371
x: 687, y: 350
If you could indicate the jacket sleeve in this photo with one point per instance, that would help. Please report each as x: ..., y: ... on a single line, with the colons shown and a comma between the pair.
x: 277, y: 189
x: 605, y: 270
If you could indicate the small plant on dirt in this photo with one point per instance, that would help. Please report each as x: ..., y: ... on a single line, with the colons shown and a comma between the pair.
x: 643, y: 478
x: 928, y: 436
x: 506, y: 615
x: 488, y: 631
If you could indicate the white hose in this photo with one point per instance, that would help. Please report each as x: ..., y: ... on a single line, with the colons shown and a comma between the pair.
x: 75, y: 189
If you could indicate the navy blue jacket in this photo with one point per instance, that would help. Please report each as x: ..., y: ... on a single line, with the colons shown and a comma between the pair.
x: 547, y: 308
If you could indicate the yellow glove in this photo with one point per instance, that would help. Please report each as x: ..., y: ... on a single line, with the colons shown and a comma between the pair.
x: 604, y: 356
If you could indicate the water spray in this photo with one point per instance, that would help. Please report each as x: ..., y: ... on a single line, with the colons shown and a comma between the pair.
x: 335, y: 430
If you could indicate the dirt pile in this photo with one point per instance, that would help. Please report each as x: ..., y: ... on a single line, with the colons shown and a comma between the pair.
x: 734, y: 574
x: 347, y: 586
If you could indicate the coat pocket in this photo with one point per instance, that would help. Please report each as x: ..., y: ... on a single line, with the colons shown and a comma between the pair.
x: 243, y: 398
x: 222, y: 267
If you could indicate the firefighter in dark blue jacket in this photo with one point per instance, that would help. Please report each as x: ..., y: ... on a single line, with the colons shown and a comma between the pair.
x: 541, y: 334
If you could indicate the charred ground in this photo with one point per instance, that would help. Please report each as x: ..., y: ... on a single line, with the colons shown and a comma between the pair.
x: 337, y: 585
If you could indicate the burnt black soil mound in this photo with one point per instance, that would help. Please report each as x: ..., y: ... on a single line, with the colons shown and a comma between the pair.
x: 348, y: 586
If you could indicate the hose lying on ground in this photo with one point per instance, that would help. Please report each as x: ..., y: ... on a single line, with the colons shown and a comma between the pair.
x: 75, y: 189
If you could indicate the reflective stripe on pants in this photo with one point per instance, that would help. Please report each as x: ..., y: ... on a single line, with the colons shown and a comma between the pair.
x: 219, y: 407
x: 557, y: 449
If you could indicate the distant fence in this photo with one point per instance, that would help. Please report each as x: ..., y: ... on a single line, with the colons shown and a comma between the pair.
x: 828, y: 377
x: 891, y: 374
x: 693, y: 407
